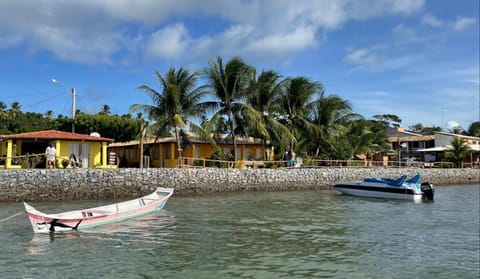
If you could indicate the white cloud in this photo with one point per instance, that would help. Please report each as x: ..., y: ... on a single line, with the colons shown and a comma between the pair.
x: 427, y: 75
x: 463, y: 22
x: 362, y: 56
x: 78, y: 47
x: 407, y: 6
x: 431, y: 20
x: 375, y: 8
x: 404, y: 33
x: 93, y: 31
x: 169, y: 42
x: 296, y: 40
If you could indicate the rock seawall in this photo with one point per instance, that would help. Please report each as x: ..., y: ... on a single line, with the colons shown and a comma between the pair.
x: 59, y: 184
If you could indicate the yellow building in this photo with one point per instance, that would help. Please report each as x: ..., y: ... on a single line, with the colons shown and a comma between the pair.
x: 26, y: 150
x: 163, y: 152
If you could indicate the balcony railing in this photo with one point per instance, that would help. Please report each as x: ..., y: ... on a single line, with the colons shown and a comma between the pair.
x: 187, y: 162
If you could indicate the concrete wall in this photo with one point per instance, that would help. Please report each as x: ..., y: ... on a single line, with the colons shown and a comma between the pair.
x: 67, y: 184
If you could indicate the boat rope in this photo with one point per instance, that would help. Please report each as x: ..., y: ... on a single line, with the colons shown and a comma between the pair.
x: 5, y: 219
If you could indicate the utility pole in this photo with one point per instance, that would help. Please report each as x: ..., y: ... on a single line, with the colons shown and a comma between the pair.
x: 74, y: 95
x: 141, y: 145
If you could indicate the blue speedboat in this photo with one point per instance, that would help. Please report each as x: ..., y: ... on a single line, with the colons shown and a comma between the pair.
x: 380, y: 187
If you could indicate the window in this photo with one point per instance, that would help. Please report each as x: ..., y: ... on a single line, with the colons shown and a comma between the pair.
x: 258, y: 154
x: 167, y: 152
x: 239, y: 153
x: 196, y: 152
x: 155, y: 152
x: 81, y: 152
x: 249, y: 154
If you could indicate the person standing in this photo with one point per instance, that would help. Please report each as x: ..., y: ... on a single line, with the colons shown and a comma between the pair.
x: 293, y: 157
x: 50, y: 154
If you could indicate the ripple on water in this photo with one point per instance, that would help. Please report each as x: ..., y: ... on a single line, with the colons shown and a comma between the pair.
x: 311, y: 234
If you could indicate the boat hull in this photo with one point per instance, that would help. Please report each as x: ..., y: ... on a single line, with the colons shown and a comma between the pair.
x: 378, y: 191
x: 381, y: 187
x: 98, y: 216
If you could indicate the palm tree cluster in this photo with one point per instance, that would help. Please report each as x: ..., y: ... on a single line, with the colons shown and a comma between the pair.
x: 285, y: 112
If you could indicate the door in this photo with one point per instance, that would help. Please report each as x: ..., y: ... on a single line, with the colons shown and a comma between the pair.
x: 81, y: 152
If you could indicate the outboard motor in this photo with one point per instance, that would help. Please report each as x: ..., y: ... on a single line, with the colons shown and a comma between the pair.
x: 428, y: 191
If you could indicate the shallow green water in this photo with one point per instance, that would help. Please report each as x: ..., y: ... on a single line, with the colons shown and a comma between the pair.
x: 312, y: 234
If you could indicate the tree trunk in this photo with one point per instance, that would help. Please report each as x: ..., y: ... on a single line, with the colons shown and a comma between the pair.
x: 230, y: 120
x: 177, y: 137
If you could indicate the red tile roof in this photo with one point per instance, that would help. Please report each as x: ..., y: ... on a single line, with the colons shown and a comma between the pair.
x: 55, y: 135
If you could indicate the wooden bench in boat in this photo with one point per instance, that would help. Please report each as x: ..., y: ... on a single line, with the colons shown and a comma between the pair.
x: 95, y: 212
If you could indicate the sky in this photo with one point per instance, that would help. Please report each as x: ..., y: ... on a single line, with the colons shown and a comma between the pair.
x: 417, y: 59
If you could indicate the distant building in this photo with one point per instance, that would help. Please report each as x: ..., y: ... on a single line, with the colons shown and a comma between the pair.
x: 162, y: 152
x: 429, y: 148
x: 443, y: 143
x: 406, y: 144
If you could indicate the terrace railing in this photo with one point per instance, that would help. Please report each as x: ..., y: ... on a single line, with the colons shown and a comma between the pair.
x: 188, y: 162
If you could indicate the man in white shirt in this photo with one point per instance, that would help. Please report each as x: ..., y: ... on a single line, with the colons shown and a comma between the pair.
x: 50, y: 153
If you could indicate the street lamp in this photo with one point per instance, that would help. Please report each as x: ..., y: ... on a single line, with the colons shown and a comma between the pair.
x: 73, y: 101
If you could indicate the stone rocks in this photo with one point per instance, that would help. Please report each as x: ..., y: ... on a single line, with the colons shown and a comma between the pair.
x: 69, y: 184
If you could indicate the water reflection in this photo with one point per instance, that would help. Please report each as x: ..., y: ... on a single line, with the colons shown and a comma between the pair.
x: 40, y: 242
x: 145, y: 229
x: 263, y: 235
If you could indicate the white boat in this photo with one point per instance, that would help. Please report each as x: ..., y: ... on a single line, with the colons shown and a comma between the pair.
x: 401, y: 188
x: 97, y: 216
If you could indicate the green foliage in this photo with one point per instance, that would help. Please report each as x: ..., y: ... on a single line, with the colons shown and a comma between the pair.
x: 217, y: 154
x: 174, y: 106
x: 26, y: 122
x: 474, y: 129
x: 458, y: 151
x: 119, y: 128
x: 227, y: 84
x: 388, y: 120
x: 285, y: 112
x: 444, y: 165
x: 420, y: 129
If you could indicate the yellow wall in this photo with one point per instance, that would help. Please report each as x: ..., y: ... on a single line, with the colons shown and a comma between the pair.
x: 3, y: 148
x: 168, y: 155
x: 97, y: 157
x: 94, y: 160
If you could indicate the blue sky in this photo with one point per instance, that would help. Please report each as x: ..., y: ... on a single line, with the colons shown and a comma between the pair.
x: 417, y: 59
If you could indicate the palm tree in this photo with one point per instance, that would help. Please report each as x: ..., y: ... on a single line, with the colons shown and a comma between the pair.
x: 331, y: 115
x: 105, y: 110
x: 458, y: 151
x: 177, y: 102
x: 367, y: 137
x: 3, y: 116
x: 48, y: 114
x: 263, y: 96
x: 15, y: 109
x: 3, y: 111
x: 297, y: 104
x: 227, y: 84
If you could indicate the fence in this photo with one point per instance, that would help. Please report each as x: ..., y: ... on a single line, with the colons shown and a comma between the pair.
x: 187, y: 162
x: 31, y: 161
x: 35, y: 160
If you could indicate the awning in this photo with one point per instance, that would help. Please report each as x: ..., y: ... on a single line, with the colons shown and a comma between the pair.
x: 474, y: 147
x: 433, y: 149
